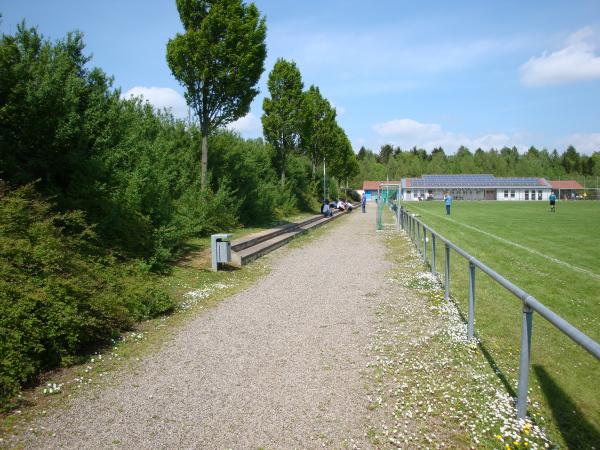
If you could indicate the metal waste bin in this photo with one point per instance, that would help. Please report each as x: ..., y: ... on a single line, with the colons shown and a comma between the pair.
x: 220, y: 249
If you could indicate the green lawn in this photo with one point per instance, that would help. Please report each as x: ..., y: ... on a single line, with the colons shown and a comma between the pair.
x: 556, y: 258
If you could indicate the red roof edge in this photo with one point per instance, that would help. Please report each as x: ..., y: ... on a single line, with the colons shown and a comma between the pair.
x: 565, y: 184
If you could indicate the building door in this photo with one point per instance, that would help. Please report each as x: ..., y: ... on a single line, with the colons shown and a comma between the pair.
x: 490, y: 195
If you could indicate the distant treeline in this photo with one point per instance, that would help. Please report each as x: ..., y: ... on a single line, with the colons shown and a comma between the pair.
x: 395, y: 163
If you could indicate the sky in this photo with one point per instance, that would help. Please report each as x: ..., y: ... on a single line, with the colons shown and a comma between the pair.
x: 431, y: 73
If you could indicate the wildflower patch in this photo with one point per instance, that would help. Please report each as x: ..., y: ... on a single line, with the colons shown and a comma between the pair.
x: 431, y: 386
x: 196, y: 295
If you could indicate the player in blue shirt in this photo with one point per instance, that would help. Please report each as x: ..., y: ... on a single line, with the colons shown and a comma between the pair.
x: 552, y: 199
x: 447, y: 202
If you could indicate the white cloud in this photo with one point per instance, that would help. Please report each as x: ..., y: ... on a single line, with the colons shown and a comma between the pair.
x: 247, y: 126
x: 577, y: 61
x: 161, y: 98
x: 407, y: 128
x: 584, y: 142
x: 407, y: 133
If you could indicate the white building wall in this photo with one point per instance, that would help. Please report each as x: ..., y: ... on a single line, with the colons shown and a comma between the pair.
x: 518, y: 194
x: 514, y: 194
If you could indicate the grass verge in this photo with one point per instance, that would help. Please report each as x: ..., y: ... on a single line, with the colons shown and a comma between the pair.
x: 430, y: 386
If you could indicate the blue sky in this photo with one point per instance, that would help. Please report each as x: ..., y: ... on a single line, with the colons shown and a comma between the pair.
x: 403, y: 72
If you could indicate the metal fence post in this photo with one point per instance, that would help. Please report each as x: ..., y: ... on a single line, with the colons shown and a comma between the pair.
x: 424, y: 244
x: 433, y: 252
x: 471, y: 300
x: 398, y: 216
x: 418, y: 237
x: 447, y: 293
x: 526, y: 325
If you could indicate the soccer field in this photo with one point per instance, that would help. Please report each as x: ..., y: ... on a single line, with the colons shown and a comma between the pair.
x: 556, y: 258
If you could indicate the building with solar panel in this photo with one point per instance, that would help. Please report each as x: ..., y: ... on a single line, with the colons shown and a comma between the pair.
x: 474, y: 187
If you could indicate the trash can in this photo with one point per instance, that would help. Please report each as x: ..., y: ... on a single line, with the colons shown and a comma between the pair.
x: 220, y: 249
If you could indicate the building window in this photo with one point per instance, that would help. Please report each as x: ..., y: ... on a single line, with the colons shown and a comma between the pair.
x: 526, y: 194
x: 539, y: 195
x: 512, y: 193
x: 505, y: 193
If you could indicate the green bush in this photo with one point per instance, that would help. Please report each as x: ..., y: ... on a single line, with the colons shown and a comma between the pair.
x: 60, y: 295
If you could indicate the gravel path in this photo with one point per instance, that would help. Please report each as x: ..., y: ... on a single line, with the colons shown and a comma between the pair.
x: 277, y: 366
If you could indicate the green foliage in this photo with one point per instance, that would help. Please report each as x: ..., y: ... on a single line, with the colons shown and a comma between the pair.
x: 301, y: 190
x: 595, y: 164
x: 60, y: 294
x: 218, y: 60
x: 282, y: 118
x: 128, y: 167
x: 46, y: 98
x: 254, y: 181
x: 343, y: 162
x: 318, y: 125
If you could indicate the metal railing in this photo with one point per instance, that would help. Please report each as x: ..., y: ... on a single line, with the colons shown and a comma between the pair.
x: 415, y: 228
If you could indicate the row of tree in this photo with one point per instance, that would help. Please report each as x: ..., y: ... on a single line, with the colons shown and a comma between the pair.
x: 219, y: 59
x: 304, y: 122
x: 395, y: 163
x: 97, y: 192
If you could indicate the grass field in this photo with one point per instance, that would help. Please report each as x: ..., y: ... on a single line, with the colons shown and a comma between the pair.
x: 556, y: 258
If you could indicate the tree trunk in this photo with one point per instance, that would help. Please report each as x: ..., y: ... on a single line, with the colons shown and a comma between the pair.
x: 282, y: 178
x: 324, y: 183
x: 204, y: 160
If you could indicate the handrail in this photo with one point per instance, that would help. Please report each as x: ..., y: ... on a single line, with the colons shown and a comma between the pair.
x: 530, y: 304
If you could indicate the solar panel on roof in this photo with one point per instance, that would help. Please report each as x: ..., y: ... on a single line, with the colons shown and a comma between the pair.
x: 473, y: 181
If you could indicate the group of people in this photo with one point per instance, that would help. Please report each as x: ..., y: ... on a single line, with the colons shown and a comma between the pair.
x: 342, y: 205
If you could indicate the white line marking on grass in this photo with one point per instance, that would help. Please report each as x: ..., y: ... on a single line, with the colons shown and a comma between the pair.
x: 522, y: 247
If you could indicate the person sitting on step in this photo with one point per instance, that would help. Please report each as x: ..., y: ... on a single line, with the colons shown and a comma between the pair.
x: 327, y: 212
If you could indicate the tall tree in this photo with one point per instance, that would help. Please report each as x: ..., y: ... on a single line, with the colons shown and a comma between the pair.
x: 362, y: 153
x: 282, y: 118
x: 595, y: 163
x: 318, y: 123
x: 570, y: 160
x: 385, y: 153
x: 342, y: 161
x: 218, y: 60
